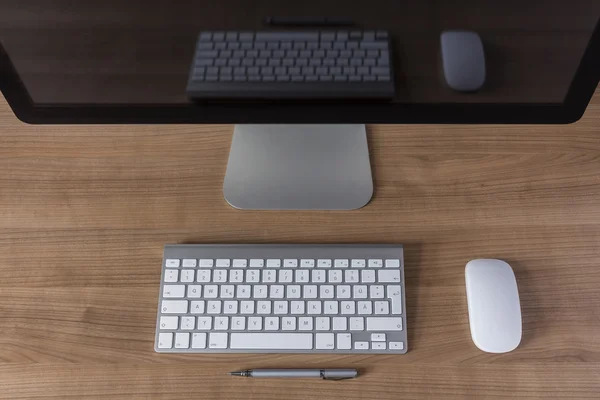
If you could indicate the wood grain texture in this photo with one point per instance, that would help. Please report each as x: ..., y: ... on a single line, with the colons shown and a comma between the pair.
x: 86, y: 210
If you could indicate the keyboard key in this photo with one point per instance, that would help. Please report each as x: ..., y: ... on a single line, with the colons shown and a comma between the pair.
x: 344, y: 341
x: 244, y: 291
x: 211, y: 291
x: 367, y: 276
x: 238, y: 323
x: 263, y: 307
x: 396, y: 345
x: 365, y: 307
x: 340, y: 323
x: 269, y: 276
x: 194, y: 291
x: 223, y: 263
x: 297, y: 307
x: 341, y: 264
x: 277, y: 292
x: 254, y: 323
x: 378, y: 337
x: 217, y: 340
x: 318, y: 276
x: 168, y: 323
x: 331, y: 307
x: 306, y: 263
x: 220, y: 276
x: 272, y: 341
x: 288, y: 323
x: 253, y: 276
x: 376, y: 291
x: 324, y: 263
x: 187, y: 275
x: 236, y: 276
x: 324, y: 341
x: 273, y: 263
x: 322, y: 323
x: 373, y: 45
x: 171, y: 263
x: 240, y: 263
x: 305, y: 323
x: 174, y: 306
x: 378, y: 345
x: 334, y: 276
x: 171, y: 275
x: 165, y: 340
x: 221, y: 323
x: 361, y: 345
x: 384, y: 324
x: 247, y: 307
x: 343, y: 291
x: 197, y: 307
x: 310, y: 292
x: 348, y: 307
x: 257, y: 263
x: 271, y: 323
x: 198, y: 340
x: 231, y: 307
x: 286, y: 276
x: 203, y: 275
x: 326, y: 292
x: 358, y: 263
x: 204, y: 323
x: 301, y: 276
x: 182, y: 340
x: 206, y: 263
x: 389, y: 276
x: 351, y: 276
x: 260, y: 291
x: 293, y: 292
x: 173, y: 291
x: 280, y: 307
x: 290, y: 263
x: 360, y: 292
x: 394, y: 293
x: 357, y: 324
x: 314, y: 307
x: 375, y: 263
x: 213, y: 307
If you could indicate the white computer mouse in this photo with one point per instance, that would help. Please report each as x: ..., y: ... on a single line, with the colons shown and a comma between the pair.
x: 463, y: 60
x: 494, y: 307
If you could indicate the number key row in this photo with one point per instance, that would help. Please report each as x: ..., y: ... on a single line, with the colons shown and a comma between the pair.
x: 281, y: 276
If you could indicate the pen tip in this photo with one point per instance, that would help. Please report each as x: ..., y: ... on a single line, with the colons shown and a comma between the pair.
x: 236, y: 373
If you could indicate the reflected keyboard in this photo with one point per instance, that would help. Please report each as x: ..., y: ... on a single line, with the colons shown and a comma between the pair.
x: 282, y: 299
x: 292, y: 65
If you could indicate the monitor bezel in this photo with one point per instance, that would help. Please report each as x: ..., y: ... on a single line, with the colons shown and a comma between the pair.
x: 576, y: 101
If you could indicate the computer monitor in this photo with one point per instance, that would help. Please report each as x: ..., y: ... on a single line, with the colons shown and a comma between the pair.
x: 106, y: 62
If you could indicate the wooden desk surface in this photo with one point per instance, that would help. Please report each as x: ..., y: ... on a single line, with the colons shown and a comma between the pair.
x: 85, y: 212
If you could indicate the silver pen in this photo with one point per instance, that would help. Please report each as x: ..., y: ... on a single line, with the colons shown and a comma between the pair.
x: 329, y: 374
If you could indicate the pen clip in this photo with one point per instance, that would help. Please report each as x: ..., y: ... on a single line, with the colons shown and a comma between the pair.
x: 322, y: 373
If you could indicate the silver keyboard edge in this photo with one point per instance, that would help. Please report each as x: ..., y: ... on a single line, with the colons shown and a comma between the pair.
x: 327, y: 252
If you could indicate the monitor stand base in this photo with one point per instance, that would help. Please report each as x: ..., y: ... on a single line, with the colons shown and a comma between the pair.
x: 298, y: 167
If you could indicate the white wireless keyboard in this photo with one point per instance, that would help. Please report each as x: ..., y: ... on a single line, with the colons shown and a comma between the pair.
x: 282, y: 299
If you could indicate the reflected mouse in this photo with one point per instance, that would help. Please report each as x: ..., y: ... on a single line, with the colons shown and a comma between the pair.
x: 494, y: 307
x: 463, y: 60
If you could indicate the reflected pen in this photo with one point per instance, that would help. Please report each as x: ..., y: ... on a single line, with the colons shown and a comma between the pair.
x: 328, y: 374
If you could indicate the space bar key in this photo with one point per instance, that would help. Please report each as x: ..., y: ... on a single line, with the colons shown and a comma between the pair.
x: 272, y: 341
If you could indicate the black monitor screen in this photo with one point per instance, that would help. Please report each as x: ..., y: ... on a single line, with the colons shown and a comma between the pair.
x: 113, y: 52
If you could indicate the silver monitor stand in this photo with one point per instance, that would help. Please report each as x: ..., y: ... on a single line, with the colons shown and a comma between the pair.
x: 298, y: 167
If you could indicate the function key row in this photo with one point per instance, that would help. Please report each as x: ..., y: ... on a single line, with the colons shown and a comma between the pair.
x: 278, y: 263
x: 292, y: 36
